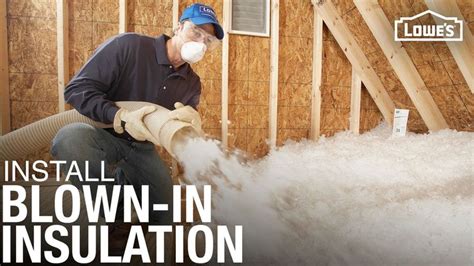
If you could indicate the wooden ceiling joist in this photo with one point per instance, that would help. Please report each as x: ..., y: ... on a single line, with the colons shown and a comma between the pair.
x: 463, y: 52
x: 356, y: 56
x: 401, y: 63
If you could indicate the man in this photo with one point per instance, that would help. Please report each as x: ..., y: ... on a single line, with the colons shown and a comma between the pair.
x: 131, y: 67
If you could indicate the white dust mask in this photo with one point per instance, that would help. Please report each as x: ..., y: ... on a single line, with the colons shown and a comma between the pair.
x: 192, y: 52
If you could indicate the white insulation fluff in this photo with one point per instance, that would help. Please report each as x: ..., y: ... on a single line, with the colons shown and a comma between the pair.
x: 371, y: 199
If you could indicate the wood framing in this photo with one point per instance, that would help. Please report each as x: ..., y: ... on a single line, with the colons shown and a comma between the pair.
x: 463, y: 52
x: 123, y: 16
x: 356, y: 56
x: 62, y: 29
x: 274, y: 46
x: 356, y: 87
x: 175, y: 13
x: 225, y: 75
x: 317, y: 73
x: 4, y: 78
x: 401, y: 63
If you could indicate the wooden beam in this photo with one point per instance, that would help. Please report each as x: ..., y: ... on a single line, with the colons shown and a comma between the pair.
x: 356, y: 87
x: 274, y: 46
x: 225, y: 75
x: 463, y: 52
x: 174, y: 162
x: 4, y: 77
x: 62, y: 38
x: 401, y: 62
x: 123, y: 16
x: 176, y: 13
x: 359, y: 61
x: 317, y: 73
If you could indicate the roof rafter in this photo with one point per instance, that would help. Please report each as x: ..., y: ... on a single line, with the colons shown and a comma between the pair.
x: 401, y: 63
x: 463, y: 52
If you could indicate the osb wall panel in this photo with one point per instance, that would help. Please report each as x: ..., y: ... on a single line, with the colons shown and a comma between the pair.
x: 467, y: 11
x: 249, y: 87
x: 295, y: 70
x: 437, y: 67
x: 32, y: 63
x: 370, y: 115
x: 91, y: 22
x: 150, y: 17
x: 335, y: 87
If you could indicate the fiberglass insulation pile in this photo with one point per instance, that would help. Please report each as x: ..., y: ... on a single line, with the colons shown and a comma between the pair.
x: 360, y: 200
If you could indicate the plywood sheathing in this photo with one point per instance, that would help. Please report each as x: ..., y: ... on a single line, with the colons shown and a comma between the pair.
x: 249, y: 73
x: 150, y: 17
x: 381, y: 66
x: 467, y: 11
x: 32, y: 63
x: 370, y: 116
x: 91, y: 22
x: 437, y: 67
x: 295, y: 70
x: 336, y: 87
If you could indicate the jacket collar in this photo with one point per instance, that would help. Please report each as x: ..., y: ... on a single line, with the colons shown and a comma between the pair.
x: 162, y: 56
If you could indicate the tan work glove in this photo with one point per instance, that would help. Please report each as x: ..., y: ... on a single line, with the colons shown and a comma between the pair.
x: 134, y: 123
x: 186, y: 114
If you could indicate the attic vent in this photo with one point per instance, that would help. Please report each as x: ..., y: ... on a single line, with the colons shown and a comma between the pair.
x: 250, y: 17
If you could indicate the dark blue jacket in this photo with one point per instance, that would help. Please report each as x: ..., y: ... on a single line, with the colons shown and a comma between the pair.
x: 131, y: 67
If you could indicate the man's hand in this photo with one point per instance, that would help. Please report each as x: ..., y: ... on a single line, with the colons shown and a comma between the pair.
x: 134, y: 123
x: 186, y: 114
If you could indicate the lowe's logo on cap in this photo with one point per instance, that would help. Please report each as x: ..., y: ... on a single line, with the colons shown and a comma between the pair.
x: 207, y: 11
x: 200, y: 14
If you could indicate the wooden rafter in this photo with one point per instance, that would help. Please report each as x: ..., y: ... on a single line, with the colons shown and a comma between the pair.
x: 463, y: 52
x: 356, y: 56
x: 401, y: 63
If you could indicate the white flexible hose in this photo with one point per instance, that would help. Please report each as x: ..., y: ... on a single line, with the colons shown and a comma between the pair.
x: 37, y: 135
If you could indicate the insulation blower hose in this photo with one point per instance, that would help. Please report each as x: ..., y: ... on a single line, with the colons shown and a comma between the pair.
x: 37, y: 135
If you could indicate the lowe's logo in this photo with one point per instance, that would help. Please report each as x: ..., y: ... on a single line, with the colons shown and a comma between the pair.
x: 445, y: 29
x: 207, y: 11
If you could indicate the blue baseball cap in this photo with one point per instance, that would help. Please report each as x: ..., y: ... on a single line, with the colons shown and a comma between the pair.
x: 200, y: 14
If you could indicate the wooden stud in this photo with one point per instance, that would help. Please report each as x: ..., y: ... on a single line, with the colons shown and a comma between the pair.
x: 5, y: 126
x: 174, y: 162
x: 62, y: 29
x: 401, y: 62
x: 463, y: 52
x: 356, y: 56
x: 356, y: 87
x: 317, y: 73
x: 123, y: 16
x: 225, y: 75
x: 274, y: 46
x: 175, y: 13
